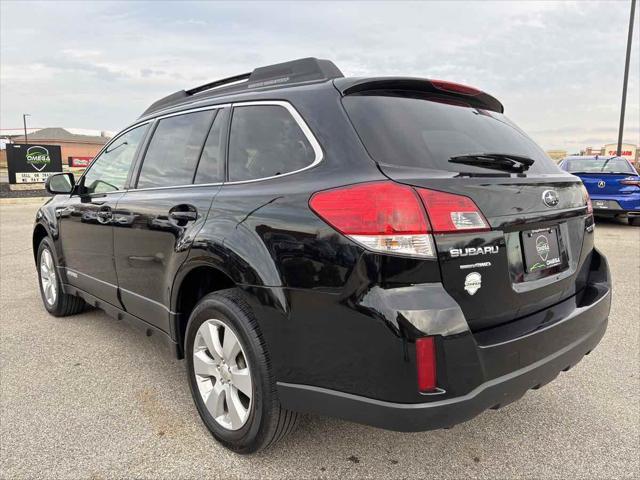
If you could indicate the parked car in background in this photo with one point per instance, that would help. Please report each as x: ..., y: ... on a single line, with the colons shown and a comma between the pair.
x: 388, y: 250
x: 612, y: 182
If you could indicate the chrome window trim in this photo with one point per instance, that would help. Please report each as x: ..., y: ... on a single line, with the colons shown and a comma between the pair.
x: 192, y: 110
x: 187, y: 185
x: 175, y: 109
x: 317, y: 149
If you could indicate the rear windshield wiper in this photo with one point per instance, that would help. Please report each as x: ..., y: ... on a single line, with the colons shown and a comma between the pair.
x: 496, y: 161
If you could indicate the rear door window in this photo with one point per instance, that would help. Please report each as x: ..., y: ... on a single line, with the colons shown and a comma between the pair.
x: 211, y: 165
x: 266, y: 141
x: 174, y: 150
x: 406, y: 129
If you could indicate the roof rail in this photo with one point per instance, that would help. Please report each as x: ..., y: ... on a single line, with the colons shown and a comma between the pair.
x: 218, y: 83
x: 287, y: 73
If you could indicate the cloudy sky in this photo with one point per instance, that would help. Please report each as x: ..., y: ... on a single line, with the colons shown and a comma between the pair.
x: 556, y: 66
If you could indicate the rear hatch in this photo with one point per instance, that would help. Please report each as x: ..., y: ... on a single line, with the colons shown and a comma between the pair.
x: 529, y: 256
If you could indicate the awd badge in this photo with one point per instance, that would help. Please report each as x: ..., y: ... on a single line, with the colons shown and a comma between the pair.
x: 473, y: 282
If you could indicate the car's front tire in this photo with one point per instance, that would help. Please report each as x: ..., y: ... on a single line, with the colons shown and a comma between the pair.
x: 230, y: 375
x: 54, y: 299
x: 634, y: 221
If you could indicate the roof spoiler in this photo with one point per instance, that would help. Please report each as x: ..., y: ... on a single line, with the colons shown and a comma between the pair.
x: 287, y: 73
x: 453, y: 91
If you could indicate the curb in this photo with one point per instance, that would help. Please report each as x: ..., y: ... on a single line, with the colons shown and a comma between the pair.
x: 23, y: 201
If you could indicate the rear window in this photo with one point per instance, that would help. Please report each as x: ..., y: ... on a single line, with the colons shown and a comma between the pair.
x: 598, y: 165
x: 416, y: 132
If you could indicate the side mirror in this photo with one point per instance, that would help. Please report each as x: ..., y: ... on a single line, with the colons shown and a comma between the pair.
x: 60, y: 183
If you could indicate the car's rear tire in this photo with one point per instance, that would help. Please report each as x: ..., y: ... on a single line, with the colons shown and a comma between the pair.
x: 54, y: 299
x: 232, y: 383
x: 635, y: 221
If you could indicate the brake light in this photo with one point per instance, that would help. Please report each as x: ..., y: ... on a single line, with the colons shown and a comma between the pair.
x: 452, y: 213
x: 455, y: 88
x: 382, y: 216
x: 631, y: 181
x: 426, y: 363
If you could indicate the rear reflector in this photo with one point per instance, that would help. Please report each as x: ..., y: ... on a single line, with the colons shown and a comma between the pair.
x: 381, y: 216
x: 451, y: 213
x: 426, y: 363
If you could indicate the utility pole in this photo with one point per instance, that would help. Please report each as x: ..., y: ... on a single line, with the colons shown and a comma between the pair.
x: 626, y: 76
x: 24, y: 122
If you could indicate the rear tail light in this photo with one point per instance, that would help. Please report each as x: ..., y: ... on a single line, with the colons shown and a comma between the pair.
x: 391, y: 218
x: 426, y: 363
x: 382, y: 216
x: 631, y: 181
x: 587, y: 200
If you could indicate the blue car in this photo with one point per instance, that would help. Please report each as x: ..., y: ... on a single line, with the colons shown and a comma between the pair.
x: 612, y: 182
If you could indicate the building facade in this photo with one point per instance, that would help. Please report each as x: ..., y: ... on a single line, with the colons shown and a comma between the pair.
x: 72, y: 146
x: 629, y: 151
x: 557, y: 155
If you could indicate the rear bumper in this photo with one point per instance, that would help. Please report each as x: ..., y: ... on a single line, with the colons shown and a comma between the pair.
x: 625, y: 205
x: 511, y: 365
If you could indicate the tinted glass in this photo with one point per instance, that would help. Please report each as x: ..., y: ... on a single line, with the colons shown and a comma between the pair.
x: 598, y: 165
x: 174, y: 150
x: 265, y: 141
x: 109, y: 171
x: 417, y: 132
x: 211, y: 165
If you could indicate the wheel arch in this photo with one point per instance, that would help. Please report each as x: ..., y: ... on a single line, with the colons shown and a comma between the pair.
x: 193, y: 282
x: 39, y: 232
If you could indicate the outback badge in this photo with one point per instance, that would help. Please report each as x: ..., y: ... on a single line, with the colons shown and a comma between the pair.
x: 472, y: 283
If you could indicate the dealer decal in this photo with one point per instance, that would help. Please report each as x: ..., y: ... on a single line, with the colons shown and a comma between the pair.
x: 472, y: 283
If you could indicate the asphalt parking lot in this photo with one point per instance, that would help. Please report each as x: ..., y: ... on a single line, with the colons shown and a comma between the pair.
x: 89, y: 397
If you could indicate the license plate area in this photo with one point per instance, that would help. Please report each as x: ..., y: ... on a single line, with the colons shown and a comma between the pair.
x: 606, y: 205
x: 542, y: 252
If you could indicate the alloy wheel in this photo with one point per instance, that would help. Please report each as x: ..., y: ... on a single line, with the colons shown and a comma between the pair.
x: 222, y: 374
x: 48, y: 277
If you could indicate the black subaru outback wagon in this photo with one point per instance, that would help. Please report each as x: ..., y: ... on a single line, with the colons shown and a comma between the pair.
x: 392, y: 251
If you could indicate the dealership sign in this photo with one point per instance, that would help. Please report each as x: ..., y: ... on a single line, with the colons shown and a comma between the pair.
x: 32, y: 163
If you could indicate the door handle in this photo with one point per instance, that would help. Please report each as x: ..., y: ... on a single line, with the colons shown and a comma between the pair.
x: 182, y: 214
